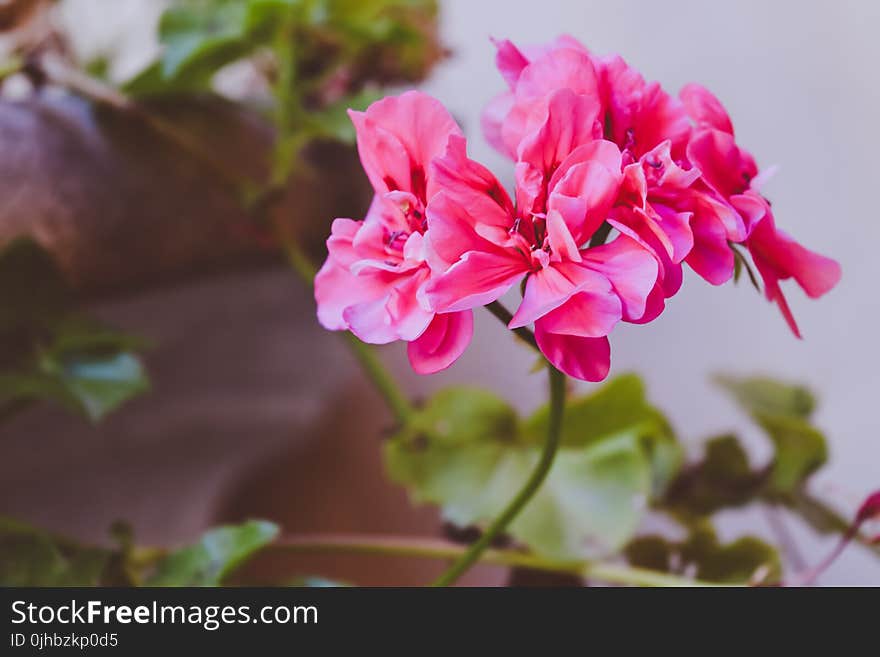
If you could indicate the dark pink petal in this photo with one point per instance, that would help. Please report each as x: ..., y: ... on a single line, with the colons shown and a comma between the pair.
x: 452, y: 232
x: 815, y: 273
x: 711, y: 257
x: 587, y: 359
x: 588, y: 314
x: 654, y: 306
x: 442, y: 343
x: 725, y: 167
x: 631, y: 270
x: 510, y: 61
x: 588, y: 188
x: 475, y: 280
x: 704, y: 108
x: 559, y: 238
x: 552, y: 286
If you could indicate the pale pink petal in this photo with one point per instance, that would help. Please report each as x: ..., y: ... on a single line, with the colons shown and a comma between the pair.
x: 370, y: 321
x: 336, y: 288
x: 398, y: 137
x: 492, y: 119
x: 569, y: 121
x: 442, y: 343
x: 475, y: 280
x: 587, y: 359
x: 407, y: 316
x: 704, y: 108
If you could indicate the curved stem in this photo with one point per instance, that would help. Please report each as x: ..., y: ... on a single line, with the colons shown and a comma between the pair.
x: 440, y: 549
x: 505, y: 316
x: 476, y: 550
x: 366, y: 356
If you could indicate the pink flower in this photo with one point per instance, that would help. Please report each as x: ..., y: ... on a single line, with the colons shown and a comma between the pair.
x: 566, y: 184
x: 731, y: 174
x: 375, y: 268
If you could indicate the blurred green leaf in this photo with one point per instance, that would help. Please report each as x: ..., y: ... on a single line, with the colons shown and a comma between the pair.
x: 722, y: 479
x: 469, y: 456
x: 215, y: 556
x: 744, y: 560
x: 618, y: 408
x: 32, y: 557
x: 768, y: 396
x: 782, y: 411
x: 333, y: 121
x: 801, y: 449
x: 651, y: 551
x: 48, y: 351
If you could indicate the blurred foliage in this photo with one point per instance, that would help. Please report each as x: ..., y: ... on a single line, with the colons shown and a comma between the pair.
x: 468, y: 452
x: 33, y: 557
x: 317, y: 56
x: 215, y: 556
x: 51, y: 351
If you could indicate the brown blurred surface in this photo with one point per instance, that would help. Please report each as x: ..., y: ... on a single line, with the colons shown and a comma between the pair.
x: 256, y: 412
x: 122, y: 206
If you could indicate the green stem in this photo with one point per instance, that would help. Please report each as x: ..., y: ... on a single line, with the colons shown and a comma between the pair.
x: 366, y: 356
x: 439, y: 549
x: 505, y: 316
x: 476, y: 550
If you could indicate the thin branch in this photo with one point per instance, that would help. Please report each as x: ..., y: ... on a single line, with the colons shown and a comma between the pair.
x: 526, y: 493
x: 503, y: 314
x: 440, y: 549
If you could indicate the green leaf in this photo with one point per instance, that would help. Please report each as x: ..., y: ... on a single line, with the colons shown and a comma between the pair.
x: 768, y: 396
x: 618, y: 408
x: 333, y: 121
x: 652, y: 551
x: 215, y: 556
x: 744, y: 560
x: 467, y: 415
x: 32, y: 557
x: 48, y: 351
x: 801, y: 449
x: 782, y: 411
x: 468, y: 457
x: 722, y: 479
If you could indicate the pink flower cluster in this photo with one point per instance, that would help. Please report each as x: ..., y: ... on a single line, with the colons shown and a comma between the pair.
x: 598, y: 151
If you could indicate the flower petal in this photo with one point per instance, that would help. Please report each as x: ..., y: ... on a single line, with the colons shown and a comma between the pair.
x: 442, y: 343
x: 587, y: 359
x: 475, y: 280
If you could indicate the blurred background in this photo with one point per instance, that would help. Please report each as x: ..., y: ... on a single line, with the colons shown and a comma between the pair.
x: 256, y: 412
